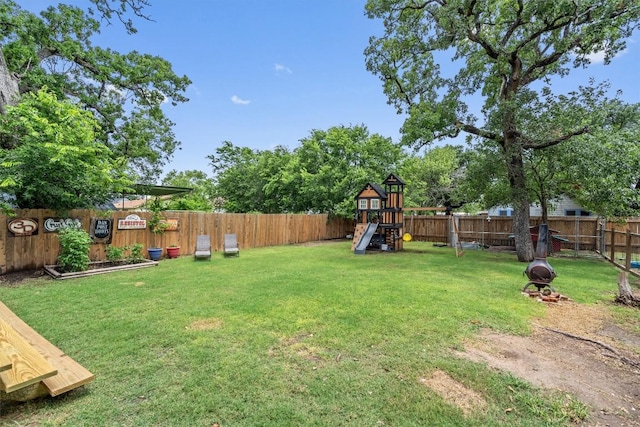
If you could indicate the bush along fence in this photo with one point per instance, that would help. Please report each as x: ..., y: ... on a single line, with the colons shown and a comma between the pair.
x: 29, y: 238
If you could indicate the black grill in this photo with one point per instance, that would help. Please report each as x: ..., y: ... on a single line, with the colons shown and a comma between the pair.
x: 539, y: 271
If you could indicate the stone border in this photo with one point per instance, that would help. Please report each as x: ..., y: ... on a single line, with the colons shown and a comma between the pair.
x: 52, y: 271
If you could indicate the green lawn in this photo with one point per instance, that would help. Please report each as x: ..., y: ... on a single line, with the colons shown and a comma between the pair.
x: 294, y: 336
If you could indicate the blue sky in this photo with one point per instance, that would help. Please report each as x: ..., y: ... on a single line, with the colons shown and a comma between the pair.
x: 268, y: 72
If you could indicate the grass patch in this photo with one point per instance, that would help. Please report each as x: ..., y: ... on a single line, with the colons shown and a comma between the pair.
x: 295, y: 335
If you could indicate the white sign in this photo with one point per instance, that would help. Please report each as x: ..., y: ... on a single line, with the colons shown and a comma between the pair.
x: 55, y: 224
x: 132, y: 222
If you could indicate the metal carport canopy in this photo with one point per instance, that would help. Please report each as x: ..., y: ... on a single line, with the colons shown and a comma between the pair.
x: 158, y: 190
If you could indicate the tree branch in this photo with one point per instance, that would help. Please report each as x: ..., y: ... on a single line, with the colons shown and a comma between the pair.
x: 598, y: 343
x: 527, y: 143
x: 516, y: 23
x: 479, y: 132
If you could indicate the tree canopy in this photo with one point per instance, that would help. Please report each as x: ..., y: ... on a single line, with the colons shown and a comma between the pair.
x: 201, y: 198
x: 125, y: 92
x: 57, y: 164
x: 506, y: 53
x: 323, y: 174
x: 434, y: 179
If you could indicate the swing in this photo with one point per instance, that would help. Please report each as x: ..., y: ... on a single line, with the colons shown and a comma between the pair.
x: 407, y: 236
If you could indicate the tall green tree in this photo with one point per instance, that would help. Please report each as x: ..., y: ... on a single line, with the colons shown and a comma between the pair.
x: 58, y: 163
x: 279, y: 185
x: 323, y: 174
x: 126, y: 92
x: 237, y: 178
x: 602, y: 168
x: 334, y: 165
x: 506, y: 52
x: 202, y: 190
x: 433, y: 179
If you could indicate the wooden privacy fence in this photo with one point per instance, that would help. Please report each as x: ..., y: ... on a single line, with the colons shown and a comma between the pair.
x: 576, y: 233
x: 21, y: 250
x: 32, y: 251
x: 620, y: 243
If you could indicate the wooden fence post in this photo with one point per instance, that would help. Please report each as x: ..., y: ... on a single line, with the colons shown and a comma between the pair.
x: 613, y: 245
x: 627, y: 257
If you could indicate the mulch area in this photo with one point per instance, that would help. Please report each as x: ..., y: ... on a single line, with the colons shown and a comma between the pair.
x: 16, y: 278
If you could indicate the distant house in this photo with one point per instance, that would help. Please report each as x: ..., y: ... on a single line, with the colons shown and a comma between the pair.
x: 135, y: 204
x: 562, y: 206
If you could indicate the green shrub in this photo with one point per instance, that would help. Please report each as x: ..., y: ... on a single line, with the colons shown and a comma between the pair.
x: 74, y: 249
x: 134, y: 253
x: 114, y: 253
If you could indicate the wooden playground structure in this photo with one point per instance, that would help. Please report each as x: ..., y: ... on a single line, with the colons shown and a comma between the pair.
x: 379, y: 216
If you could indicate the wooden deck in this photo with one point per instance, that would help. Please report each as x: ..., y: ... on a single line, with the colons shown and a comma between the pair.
x: 33, y: 359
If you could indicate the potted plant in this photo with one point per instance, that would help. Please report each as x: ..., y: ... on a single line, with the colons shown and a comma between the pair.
x: 158, y: 226
x: 173, y: 251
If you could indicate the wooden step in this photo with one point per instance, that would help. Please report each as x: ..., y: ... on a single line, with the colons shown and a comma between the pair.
x: 28, y: 366
x: 70, y: 374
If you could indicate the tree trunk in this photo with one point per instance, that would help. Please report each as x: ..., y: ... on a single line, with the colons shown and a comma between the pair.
x: 518, y: 184
x: 524, y: 245
x: 8, y: 86
x: 626, y: 295
x: 544, y: 207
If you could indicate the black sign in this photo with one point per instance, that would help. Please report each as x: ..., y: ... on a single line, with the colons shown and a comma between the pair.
x: 101, y: 230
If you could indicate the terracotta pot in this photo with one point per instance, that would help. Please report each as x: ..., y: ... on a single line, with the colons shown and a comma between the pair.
x: 173, y: 252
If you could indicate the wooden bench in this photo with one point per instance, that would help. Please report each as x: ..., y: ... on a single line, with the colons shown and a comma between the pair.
x: 27, y: 365
x: 5, y: 362
x: 35, y: 359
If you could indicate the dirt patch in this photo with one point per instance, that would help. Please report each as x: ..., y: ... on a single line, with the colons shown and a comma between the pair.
x: 296, y: 345
x: 205, y: 324
x: 454, y: 393
x: 16, y: 278
x: 576, y: 349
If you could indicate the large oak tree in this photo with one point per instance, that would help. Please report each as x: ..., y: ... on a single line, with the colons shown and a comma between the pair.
x: 125, y: 92
x: 506, y: 52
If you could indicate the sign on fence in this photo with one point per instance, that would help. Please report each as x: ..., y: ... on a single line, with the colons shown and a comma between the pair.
x: 132, y: 222
x: 173, y: 224
x: 20, y: 227
x: 101, y: 230
x: 52, y: 225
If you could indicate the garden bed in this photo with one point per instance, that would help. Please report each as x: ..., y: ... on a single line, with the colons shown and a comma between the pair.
x: 98, y: 267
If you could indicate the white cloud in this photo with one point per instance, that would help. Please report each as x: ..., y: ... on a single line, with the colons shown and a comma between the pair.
x: 283, y: 69
x: 236, y: 100
x: 598, y: 57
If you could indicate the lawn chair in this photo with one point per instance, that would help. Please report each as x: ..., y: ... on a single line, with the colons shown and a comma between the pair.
x: 203, y: 247
x: 231, y: 245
